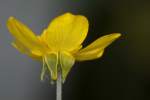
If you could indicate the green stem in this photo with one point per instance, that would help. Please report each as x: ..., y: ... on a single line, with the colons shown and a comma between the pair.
x: 59, y: 86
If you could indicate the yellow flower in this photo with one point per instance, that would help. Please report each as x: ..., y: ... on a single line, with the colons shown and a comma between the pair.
x: 60, y: 44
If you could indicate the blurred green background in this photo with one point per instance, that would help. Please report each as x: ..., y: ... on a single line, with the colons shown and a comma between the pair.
x: 123, y: 73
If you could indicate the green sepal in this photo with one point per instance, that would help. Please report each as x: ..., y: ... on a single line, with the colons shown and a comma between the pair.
x: 44, y: 69
x: 51, y: 61
x: 66, y: 62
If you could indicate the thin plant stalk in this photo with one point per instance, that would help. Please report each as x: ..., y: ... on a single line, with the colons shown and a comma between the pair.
x: 59, y: 86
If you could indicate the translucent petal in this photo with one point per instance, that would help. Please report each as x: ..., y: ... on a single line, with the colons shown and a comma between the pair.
x: 66, y: 32
x: 66, y: 61
x: 96, y: 49
x: 44, y: 70
x: 51, y: 60
x: 23, y: 34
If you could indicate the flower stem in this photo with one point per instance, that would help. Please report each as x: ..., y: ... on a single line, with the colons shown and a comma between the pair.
x: 59, y: 86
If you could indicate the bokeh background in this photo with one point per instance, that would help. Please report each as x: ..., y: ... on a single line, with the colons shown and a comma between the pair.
x: 123, y: 73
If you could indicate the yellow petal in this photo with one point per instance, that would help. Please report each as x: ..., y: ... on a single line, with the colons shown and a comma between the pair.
x: 43, y: 36
x: 89, y: 55
x: 66, y: 32
x: 20, y: 47
x: 96, y: 49
x: 23, y: 34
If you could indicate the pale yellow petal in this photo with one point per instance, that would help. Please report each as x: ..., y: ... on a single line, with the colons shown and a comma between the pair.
x: 67, y: 32
x: 23, y: 34
x: 96, y: 49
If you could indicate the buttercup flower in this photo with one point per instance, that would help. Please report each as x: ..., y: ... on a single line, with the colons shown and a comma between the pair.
x: 60, y: 44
